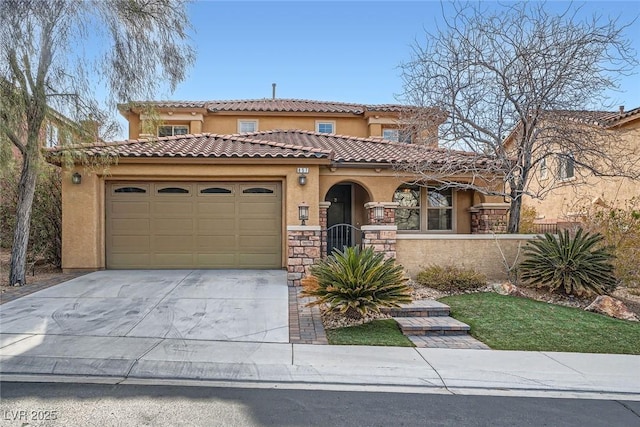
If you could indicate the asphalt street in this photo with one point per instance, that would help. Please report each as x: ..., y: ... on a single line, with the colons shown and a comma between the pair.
x: 60, y: 404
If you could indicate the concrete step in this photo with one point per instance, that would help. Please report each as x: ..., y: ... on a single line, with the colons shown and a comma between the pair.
x: 448, y: 341
x: 423, y: 308
x: 439, y: 325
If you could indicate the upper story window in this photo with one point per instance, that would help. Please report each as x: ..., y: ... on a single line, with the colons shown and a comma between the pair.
x: 247, y: 126
x: 566, y: 166
x: 424, y: 208
x: 325, y: 127
x: 52, y: 136
x: 172, y: 130
x: 396, y: 135
x: 544, y: 170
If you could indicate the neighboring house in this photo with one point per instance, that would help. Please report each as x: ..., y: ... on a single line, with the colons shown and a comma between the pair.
x: 570, y: 189
x: 264, y: 198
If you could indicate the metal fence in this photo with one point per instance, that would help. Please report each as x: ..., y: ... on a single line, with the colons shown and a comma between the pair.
x: 340, y: 236
x: 545, y: 228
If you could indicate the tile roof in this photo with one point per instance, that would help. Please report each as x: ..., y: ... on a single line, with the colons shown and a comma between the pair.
x: 272, y: 105
x: 598, y: 118
x: 285, y: 144
x: 201, y: 145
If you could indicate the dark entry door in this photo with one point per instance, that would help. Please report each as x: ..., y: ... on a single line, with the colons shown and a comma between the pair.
x: 339, y: 230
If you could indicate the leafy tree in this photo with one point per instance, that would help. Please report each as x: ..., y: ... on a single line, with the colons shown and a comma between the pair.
x: 53, y: 53
x: 517, y: 72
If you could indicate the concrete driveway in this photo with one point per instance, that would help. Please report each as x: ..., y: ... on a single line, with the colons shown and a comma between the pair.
x: 213, y: 305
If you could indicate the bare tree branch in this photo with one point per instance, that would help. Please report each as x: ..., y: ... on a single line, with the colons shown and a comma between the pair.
x: 510, y: 79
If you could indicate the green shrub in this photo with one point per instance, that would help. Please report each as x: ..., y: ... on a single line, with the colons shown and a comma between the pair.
x: 451, y: 278
x: 621, y: 230
x: 45, y: 236
x: 576, y: 265
x: 356, y: 282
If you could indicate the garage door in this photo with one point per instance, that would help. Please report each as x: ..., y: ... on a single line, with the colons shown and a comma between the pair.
x: 193, y: 225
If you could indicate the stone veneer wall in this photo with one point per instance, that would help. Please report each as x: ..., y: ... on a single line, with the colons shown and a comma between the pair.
x: 489, y: 218
x: 381, y: 234
x: 303, y: 246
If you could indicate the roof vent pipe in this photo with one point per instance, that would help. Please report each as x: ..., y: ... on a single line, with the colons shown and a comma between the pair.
x: 273, y: 91
x: 622, y: 109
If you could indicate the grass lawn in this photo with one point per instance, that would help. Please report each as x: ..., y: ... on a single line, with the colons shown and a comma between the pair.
x: 512, y: 323
x: 378, y: 332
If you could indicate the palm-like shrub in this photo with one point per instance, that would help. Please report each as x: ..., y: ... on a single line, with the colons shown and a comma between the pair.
x: 356, y: 282
x: 575, y: 265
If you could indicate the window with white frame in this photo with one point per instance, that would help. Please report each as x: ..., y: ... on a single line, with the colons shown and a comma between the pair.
x: 325, y: 127
x: 424, y: 208
x: 544, y: 171
x: 566, y: 166
x: 52, y: 136
x: 396, y: 135
x: 247, y: 126
x: 172, y: 130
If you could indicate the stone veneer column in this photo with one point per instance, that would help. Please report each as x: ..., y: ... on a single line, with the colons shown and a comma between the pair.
x: 489, y: 218
x: 381, y: 234
x: 303, y: 247
x: 324, y: 208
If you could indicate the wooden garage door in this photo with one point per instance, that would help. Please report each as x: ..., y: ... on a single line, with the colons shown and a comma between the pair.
x: 193, y: 225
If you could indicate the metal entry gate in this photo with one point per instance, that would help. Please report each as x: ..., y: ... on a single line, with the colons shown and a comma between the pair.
x: 340, y: 236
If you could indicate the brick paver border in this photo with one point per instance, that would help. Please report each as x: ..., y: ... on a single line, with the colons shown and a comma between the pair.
x: 305, y: 323
x: 16, y: 292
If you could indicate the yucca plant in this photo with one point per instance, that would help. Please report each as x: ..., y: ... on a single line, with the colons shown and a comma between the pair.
x: 576, y: 265
x: 356, y: 282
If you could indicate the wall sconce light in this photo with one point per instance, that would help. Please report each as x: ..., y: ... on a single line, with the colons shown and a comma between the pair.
x: 76, y: 178
x: 302, y: 175
x: 303, y: 213
x: 378, y: 213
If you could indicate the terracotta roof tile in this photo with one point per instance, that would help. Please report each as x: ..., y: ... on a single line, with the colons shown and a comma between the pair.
x: 598, y: 118
x: 287, y: 144
x: 272, y: 105
x: 201, y: 145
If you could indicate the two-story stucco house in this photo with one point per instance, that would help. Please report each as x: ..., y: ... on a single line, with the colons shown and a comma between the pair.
x: 257, y: 184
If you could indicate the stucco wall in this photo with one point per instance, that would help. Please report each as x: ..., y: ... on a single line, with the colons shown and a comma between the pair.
x: 564, y: 202
x: 480, y: 252
x: 228, y: 124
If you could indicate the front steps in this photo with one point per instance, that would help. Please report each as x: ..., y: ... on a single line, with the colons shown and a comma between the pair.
x: 427, y: 324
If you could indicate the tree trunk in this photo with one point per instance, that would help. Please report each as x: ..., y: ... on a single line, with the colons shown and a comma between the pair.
x: 514, y: 214
x: 26, y: 191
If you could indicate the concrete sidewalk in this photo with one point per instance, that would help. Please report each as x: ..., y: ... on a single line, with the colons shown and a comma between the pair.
x: 135, y: 360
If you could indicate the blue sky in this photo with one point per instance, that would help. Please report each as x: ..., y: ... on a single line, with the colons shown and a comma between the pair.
x: 328, y: 50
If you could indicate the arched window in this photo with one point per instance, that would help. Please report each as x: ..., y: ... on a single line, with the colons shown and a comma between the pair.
x: 408, y: 212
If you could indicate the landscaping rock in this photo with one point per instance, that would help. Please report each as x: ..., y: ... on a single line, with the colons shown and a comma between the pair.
x: 507, y: 288
x: 611, y: 307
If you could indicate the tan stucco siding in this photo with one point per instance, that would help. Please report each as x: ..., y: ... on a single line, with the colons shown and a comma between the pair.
x: 228, y: 124
x: 82, y: 222
x: 479, y: 252
x: 379, y: 185
x: 571, y: 197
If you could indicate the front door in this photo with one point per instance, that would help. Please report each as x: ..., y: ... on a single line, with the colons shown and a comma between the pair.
x: 339, y: 228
